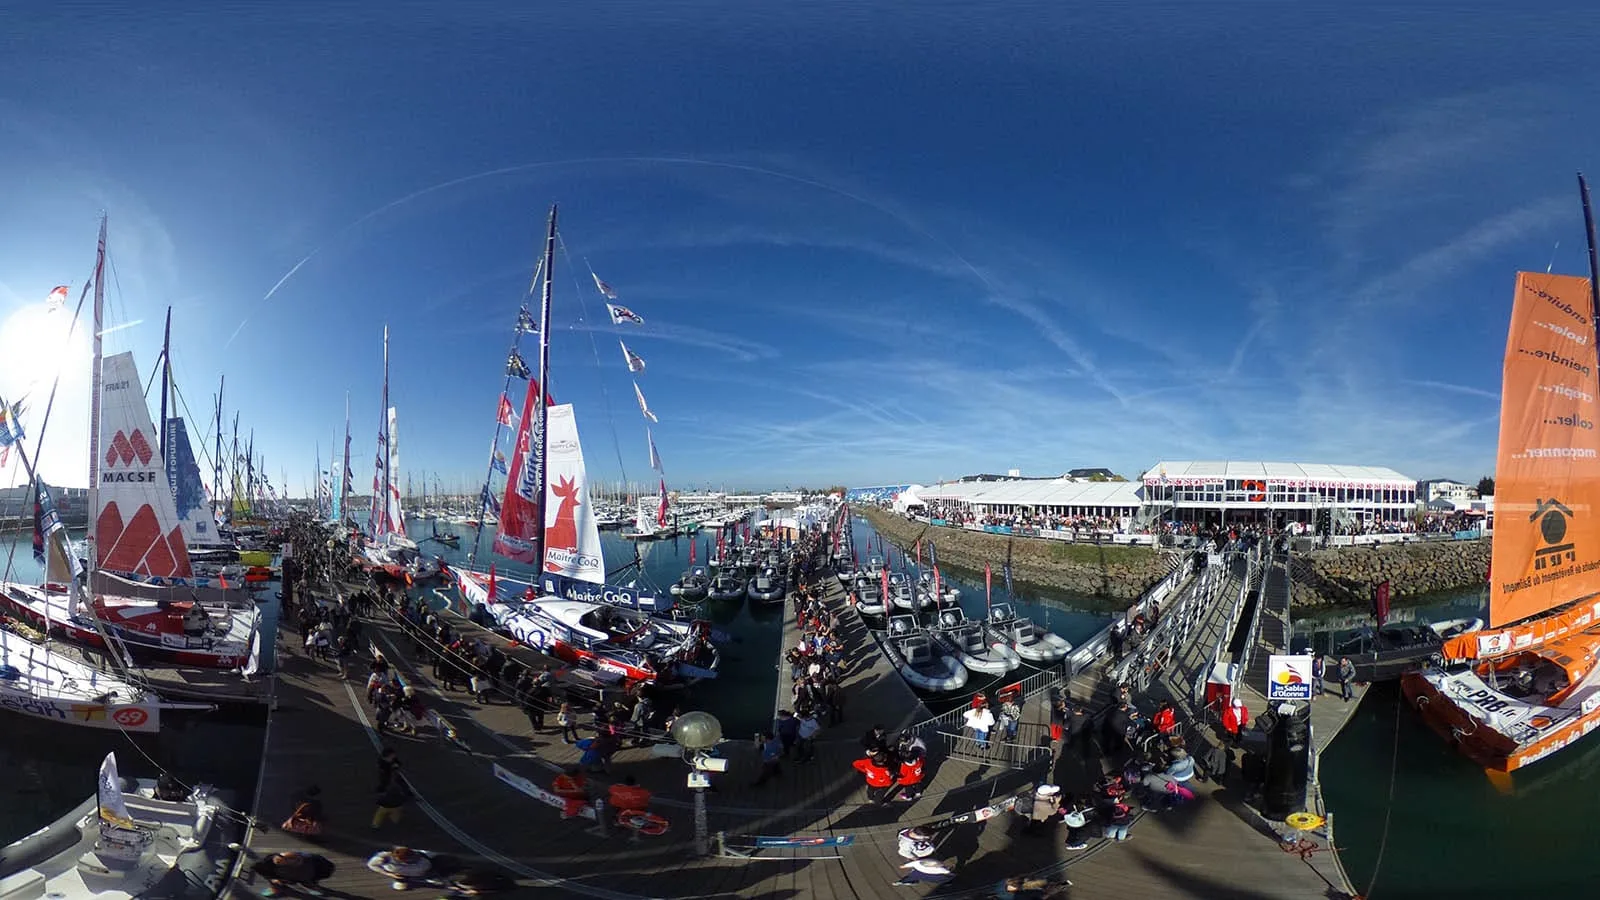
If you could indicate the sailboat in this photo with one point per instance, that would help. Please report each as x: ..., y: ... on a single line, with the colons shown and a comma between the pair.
x: 547, y: 521
x: 1529, y: 684
x: 389, y: 549
x: 135, y: 531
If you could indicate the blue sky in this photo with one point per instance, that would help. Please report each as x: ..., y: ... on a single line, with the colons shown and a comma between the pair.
x: 870, y: 245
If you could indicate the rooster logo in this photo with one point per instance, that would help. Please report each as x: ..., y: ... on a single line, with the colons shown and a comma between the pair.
x: 563, y: 535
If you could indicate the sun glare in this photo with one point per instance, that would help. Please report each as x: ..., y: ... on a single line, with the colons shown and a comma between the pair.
x: 34, y: 349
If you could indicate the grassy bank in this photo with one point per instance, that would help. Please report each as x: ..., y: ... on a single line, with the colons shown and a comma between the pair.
x: 1103, y: 571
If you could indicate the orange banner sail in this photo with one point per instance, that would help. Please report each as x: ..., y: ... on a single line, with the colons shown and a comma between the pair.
x: 1547, y: 479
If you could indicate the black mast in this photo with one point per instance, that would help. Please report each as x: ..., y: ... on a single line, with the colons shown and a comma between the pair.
x: 166, y: 380
x: 1594, y: 261
x: 540, y: 430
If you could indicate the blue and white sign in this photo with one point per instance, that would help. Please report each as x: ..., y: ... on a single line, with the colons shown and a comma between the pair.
x: 1289, y: 678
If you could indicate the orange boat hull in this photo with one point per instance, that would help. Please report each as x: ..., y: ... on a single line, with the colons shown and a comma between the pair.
x: 1480, y: 743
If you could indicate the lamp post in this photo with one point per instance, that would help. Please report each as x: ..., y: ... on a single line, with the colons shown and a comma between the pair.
x: 697, y: 732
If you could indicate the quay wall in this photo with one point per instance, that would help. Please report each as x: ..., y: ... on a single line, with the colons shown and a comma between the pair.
x: 1333, y: 577
x: 1112, y: 572
x: 1349, y: 576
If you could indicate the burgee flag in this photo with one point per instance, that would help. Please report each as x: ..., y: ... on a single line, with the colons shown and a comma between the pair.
x: 635, y: 361
x: 622, y: 314
x: 643, y: 406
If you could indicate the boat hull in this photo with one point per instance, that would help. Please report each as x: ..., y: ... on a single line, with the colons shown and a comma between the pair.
x: 148, y: 647
x: 1444, y: 703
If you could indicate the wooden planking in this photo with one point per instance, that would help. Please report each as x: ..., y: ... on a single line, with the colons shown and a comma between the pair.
x: 1202, y: 851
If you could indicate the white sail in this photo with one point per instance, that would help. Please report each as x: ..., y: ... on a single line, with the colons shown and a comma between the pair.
x: 644, y: 517
x: 113, y: 808
x: 136, y: 525
x: 253, y: 664
x: 571, y: 533
x: 395, y: 515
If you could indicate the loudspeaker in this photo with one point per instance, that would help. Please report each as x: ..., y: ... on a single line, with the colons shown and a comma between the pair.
x: 1288, y: 753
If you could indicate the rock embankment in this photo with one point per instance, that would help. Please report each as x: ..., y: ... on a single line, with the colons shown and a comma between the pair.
x: 1109, y: 572
x: 1349, y: 576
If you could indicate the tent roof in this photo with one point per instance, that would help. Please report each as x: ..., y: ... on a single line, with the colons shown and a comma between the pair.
x: 1275, y: 471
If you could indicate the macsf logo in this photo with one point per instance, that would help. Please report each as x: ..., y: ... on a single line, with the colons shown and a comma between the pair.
x: 1552, y: 516
x: 125, y: 450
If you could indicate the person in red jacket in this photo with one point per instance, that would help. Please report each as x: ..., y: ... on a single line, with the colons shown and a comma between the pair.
x: 1165, y: 719
x: 910, y: 777
x: 879, y: 778
x: 1234, y: 720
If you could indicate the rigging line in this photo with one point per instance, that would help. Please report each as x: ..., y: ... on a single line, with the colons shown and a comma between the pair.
x: 44, y: 423
x: 1388, y: 812
x: 505, y: 391
x: 605, y: 395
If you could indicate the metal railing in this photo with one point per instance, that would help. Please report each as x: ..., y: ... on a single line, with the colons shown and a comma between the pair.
x: 1252, y: 571
x: 947, y: 732
x: 1242, y: 662
x: 1095, y: 648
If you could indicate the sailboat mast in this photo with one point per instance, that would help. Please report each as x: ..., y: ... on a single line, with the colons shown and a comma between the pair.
x: 344, y: 496
x: 216, y: 464
x: 166, y: 380
x: 250, y: 473
x: 94, y: 394
x: 1594, y: 260
x: 540, y: 424
x: 378, y: 517
x: 233, y: 482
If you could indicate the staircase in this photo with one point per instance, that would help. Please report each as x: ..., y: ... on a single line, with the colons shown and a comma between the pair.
x: 1272, y: 634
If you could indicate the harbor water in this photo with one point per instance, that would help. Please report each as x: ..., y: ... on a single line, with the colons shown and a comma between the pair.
x: 1414, y: 818
x: 50, y: 768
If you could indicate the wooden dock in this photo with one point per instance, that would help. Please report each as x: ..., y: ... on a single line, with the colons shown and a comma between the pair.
x: 469, y: 806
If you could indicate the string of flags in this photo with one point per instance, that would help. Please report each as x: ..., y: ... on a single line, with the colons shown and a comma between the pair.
x: 622, y: 315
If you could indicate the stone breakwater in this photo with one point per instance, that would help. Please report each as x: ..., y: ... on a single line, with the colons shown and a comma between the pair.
x: 1104, y: 571
x: 1349, y: 576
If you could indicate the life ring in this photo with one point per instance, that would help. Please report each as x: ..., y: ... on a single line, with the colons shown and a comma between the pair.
x: 1303, y: 821
x: 1256, y: 491
x: 643, y: 822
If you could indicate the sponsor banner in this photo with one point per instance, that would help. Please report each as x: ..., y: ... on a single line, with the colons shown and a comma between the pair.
x: 547, y: 797
x: 1547, y: 541
x: 1289, y: 677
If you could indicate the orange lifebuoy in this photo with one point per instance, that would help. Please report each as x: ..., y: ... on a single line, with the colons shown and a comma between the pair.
x: 643, y: 822
x: 1256, y: 491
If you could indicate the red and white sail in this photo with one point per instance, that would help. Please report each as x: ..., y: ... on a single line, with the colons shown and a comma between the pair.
x: 572, y: 535
x: 520, y: 513
x: 394, y: 515
x: 137, y: 529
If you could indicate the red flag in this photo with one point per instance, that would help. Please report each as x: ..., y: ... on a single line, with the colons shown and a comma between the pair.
x: 691, y: 553
x: 919, y: 553
x: 1380, y: 604
x: 491, y: 582
x: 988, y: 586
x: 661, y: 511
x: 507, y: 415
x: 885, y: 587
x: 937, y: 595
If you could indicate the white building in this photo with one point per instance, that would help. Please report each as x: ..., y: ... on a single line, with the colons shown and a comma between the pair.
x: 1277, y: 493
x: 1061, y: 497
x: 1445, y: 489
